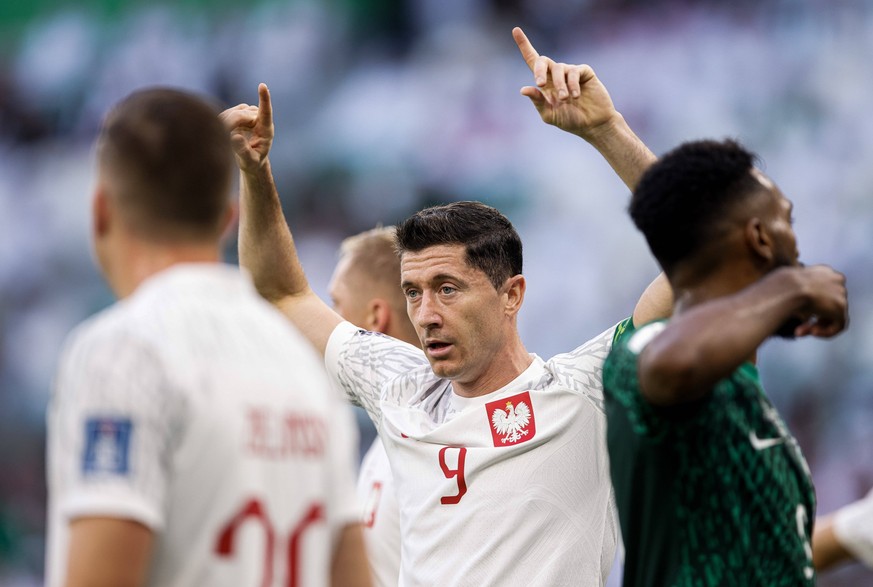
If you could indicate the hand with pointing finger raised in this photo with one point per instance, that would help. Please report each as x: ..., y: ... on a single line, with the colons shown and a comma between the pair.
x: 251, y: 131
x: 567, y: 96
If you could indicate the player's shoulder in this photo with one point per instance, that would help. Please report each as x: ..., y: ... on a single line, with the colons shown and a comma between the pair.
x: 621, y: 364
x: 593, y: 350
x: 104, y: 328
x: 102, y: 342
x: 350, y: 342
x: 634, y: 339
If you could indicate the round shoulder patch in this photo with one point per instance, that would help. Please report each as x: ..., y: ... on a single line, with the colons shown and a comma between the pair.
x: 644, y: 336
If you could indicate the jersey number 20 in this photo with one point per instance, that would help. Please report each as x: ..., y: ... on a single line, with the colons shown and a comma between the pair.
x: 255, y: 510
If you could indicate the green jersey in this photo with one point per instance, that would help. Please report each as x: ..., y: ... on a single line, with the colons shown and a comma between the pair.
x: 714, y: 493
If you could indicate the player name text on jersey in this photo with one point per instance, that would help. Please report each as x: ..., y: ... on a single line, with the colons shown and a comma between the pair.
x: 285, y: 435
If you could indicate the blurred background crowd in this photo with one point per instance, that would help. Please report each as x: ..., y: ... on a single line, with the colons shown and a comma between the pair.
x: 385, y: 106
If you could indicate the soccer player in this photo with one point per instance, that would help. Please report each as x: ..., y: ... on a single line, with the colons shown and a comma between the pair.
x: 365, y: 290
x: 845, y: 535
x: 194, y: 438
x: 498, y: 456
x: 711, y: 488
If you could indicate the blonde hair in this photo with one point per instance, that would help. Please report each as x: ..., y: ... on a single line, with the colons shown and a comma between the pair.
x: 373, y: 253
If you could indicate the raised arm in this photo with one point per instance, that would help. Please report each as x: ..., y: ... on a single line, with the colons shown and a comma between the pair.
x: 709, y: 341
x: 571, y: 98
x: 266, y: 247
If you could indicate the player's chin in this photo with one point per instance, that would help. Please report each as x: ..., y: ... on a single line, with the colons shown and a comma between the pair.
x: 442, y: 368
x: 445, y: 368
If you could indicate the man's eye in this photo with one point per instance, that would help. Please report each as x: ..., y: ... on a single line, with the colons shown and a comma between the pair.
x: 411, y: 294
x: 447, y: 289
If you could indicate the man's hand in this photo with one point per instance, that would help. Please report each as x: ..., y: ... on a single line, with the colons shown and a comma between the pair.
x: 251, y: 131
x: 826, y: 313
x: 567, y: 96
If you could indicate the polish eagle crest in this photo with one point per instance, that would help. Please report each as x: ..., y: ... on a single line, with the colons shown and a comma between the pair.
x: 511, y: 422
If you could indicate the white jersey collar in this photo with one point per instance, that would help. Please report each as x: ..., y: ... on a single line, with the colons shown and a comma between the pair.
x: 524, y: 382
x: 197, y: 277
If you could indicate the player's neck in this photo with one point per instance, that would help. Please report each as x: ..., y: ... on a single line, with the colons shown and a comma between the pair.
x: 691, y: 288
x: 143, y: 260
x: 501, y: 371
x: 718, y: 285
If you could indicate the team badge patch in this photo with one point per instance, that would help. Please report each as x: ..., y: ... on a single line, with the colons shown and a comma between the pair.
x: 512, y: 420
x: 107, y: 446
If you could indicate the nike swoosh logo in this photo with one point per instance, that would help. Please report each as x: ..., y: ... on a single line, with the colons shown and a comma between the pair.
x: 764, y: 443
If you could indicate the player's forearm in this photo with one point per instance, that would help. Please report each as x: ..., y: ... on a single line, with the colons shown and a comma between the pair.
x: 708, y: 342
x: 628, y: 156
x: 108, y: 552
x: 266, y: 247
x: 827, y: 550
x: 350, y: 567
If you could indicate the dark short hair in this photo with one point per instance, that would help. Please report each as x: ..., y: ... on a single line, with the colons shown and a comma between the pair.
x: 684, y: 197
x: 170, y: 161
x: 492, y: 245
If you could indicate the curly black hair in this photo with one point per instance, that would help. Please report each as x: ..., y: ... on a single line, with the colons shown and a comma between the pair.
x: 682, y: 198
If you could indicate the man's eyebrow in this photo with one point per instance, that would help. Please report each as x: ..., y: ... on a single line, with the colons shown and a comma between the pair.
x: 435, y: 279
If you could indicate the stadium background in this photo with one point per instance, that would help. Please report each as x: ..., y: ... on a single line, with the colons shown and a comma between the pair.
x: 384, y: 106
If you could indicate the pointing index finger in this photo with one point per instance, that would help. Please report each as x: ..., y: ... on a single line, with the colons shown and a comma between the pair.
x: 524, y: 45
x: 265, y: 107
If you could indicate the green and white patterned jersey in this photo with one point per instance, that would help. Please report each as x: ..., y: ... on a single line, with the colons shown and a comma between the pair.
x: 714, y: 493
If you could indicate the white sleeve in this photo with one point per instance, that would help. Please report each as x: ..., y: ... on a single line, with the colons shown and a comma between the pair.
x: 110, y: 430
x: 582, y: 368
x: 853, y: 527
x: 361, y: 363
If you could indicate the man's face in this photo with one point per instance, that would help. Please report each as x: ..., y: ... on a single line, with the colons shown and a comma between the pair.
x: 779, y: 219
x: 458, y: 315
x: 349, y: 301
x: 780, y: 223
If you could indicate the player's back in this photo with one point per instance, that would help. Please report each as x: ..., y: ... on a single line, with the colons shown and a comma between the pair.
x: 238, y: 453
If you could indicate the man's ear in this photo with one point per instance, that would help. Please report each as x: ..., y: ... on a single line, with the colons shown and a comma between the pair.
x: 229, y: 223
x: 515, y: 287
x: 101, y: 214
x: 378, y: 315
x: 758, y: 240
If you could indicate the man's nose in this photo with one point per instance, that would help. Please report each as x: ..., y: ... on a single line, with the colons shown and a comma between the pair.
x: 428, y: 314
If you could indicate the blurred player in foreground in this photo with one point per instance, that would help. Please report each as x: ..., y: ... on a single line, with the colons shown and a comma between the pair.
x: 711, y: 487
x: 845, y: 535
x: 193, y: 436
x: 499, y: 457
x: 365, y: 290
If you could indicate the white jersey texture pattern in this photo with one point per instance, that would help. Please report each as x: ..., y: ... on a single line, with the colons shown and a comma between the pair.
x: 381, y: 515
x: 510, y: 488
x: 196, y: 409
x: 853, y: 526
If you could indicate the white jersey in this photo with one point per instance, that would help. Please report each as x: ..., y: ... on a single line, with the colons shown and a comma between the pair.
x: 196, y: 409
x: 381, y: 515
x: 853, y: 527
x: 509, y: 488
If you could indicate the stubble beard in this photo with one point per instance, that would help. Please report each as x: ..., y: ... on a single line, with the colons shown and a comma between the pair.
x: 788, y: 328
